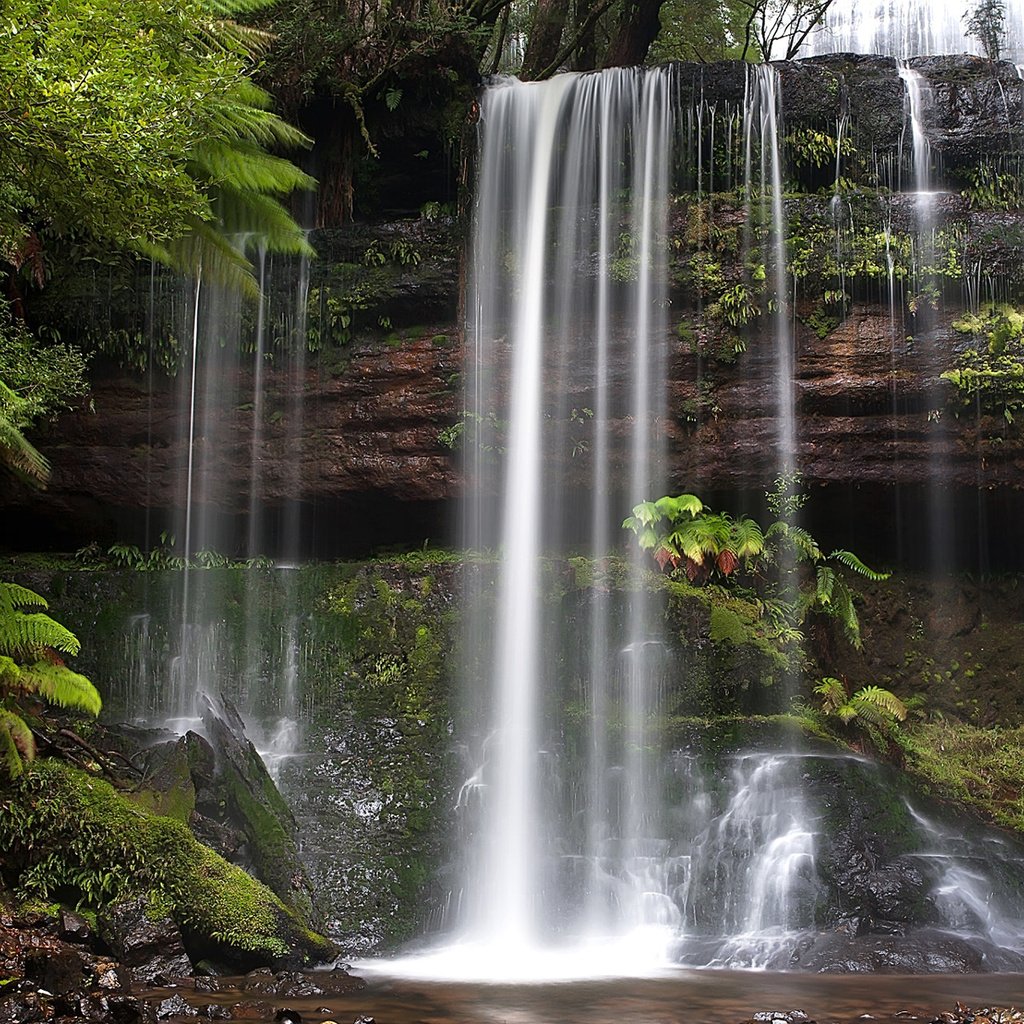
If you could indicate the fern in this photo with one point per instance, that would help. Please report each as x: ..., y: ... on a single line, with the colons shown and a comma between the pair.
x: 825, y: 580
x: 25, y: 636
x: 851, y: 561
x: 843, y: 610
x: 17, y: 745
x: 833, y: 694
x: 29, y: 666
x: 57, y: 684
x: 804, y: 544
x: 878, y: 697
x: 16, y: 452
x: 747, y: 538
x: 13, y: 595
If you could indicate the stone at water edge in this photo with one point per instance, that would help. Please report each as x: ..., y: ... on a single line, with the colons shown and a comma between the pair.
x: 149, y: 949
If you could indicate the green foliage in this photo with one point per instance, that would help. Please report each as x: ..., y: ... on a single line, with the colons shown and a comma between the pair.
x: 986, y: 21
x: 35, y: 381
x: 736, y: 306
x: 990, y: 189
x: 871, y: 705
x: 981, y: 768
x: 695, y: 30
x: 135, y: 125
x: 989, y: 374
x: 783, y: 567
x: 62, y: 831
x: 812, y: 148
x: 30, y: 668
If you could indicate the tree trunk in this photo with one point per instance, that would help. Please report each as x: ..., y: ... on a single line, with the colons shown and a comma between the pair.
x: 545, y: 36
x: 638, y: 28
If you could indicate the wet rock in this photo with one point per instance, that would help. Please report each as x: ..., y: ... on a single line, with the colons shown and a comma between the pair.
x: 25, y: 1008
x: 285, y: 984
x: 213, y: 1011
x: 920, y: 953
x: 174, y: 1006
x: 74, y: 928
x: 111, y: 977
x: 288, y: 1016
x: 256, y: 807
x: 56, y: 971
x: 149, y: 949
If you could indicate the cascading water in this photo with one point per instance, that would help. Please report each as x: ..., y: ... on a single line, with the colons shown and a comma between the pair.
x: 224, y: 386
x: 554, y: 231
x: 906, y: 28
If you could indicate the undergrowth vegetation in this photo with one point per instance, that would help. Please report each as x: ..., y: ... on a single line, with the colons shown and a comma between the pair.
x: 68, y: 836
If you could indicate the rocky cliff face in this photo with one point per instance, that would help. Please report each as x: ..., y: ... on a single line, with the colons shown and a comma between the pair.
x: 874, y: 317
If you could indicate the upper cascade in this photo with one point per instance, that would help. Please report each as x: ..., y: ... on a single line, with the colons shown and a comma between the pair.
x: 908, y: 28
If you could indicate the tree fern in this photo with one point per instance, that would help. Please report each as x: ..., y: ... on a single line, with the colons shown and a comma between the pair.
x: 30, y: 667
x: 16, y: 452
x: 57, y: 684
x: 13, y: 595
x: 24, y: 635
x: 243, y: 180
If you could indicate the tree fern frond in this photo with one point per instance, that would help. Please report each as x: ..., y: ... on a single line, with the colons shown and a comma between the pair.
x: 17, y: 744
x: 10, y: 673
x: 244, y: 165
x: 235, y: 8
x: 846, y: 713
x: 27, y: 635
x: 261, y: 219
x: 234, y: 37
x: 207, y: 252
x: 851, y: 561
x: 16, y: 451
x: 57, y: 684
x: 13, y: 595
x: 877, y: 696
x: 245, y: 114
x: 746, y: 538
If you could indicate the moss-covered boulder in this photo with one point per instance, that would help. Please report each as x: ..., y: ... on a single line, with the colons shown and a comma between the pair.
x: 65, y: 834
x: 253, y: 804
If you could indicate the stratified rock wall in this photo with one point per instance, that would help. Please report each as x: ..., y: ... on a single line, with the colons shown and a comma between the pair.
x: 382, y: 388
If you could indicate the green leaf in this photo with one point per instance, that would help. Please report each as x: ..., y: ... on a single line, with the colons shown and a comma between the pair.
x: 851, y: 561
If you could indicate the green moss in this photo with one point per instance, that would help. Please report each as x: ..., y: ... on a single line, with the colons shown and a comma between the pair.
x: 726, y: 627
x: 177, y: 803
x: 63, y: 832
x: 982, y: 769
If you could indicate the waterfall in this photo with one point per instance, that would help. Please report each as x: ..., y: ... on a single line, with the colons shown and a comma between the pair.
x: 241, y: 392
x: 567, y: 318
x: 906, y: 28
x: 925, y: 301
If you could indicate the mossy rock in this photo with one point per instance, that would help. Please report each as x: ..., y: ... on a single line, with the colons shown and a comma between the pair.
x: 66, y: 834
